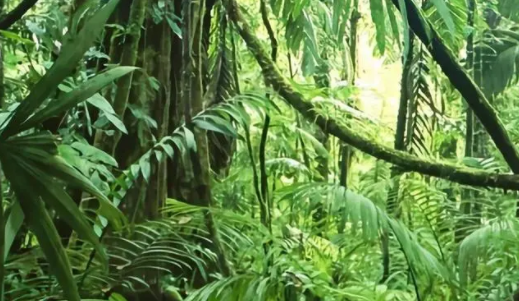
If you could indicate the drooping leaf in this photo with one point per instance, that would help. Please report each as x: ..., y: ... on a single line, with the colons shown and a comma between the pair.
x: 114, y: 119
x: 71, y: 53
x: 378, y: 17
x: 445, y: 13
x: 40, y: 223
x: 12, y: 226
x: 85, y: 91
x: 101, y: 103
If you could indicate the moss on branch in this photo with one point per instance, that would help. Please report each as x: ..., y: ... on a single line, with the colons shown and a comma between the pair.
x: 407, y: 162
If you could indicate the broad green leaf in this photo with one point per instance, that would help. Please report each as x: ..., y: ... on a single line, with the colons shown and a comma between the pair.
x: 174, y: 27
x: 13, y: 36
x: 145, y: 166
x: 319, y: 147
x: 445, y: 13
x: 94, y: 154
x: 345, y: 18
x: 116, y: 297
x: 98, y: 101
x: 378, y: 17
x: 71, y: 53
x: 40, y: 223
x: 57, y: 167
x: 56, y: 197
x: 13, y: 225
x: 67, y: 210
x: 393, y: 22
x: 85, y: 91
x: 337, y: 14
x: 116, y: 122
x: 405, y: 22
x: 189, y: 139
x: 60, y: 169
x: 216, y: 124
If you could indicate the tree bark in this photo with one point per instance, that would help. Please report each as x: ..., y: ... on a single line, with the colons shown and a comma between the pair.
x: 128, y: 58
x: 462, y: 82
x: 467, y: 195
x: 193, y: 101
x: 406, y: 162
x: 346, y: 153
x: 393, y: 205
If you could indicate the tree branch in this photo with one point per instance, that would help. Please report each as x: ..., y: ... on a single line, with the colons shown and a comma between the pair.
x: 462, y: 82
x: 451, y: 172
x: 16, y: 14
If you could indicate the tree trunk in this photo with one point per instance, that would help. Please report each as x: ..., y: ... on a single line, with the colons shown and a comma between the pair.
x: 193, y: 101
x: 393, y: 205
x: 128, y: 58
x: 467, y: 196
x: 157, y: 191
x: 346, y: 152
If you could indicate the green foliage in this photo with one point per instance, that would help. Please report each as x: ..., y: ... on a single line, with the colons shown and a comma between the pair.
x: 67, y: 203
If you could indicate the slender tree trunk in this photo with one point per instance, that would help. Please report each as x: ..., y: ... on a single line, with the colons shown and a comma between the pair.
x: 192, y: 97
x: 176, y: 112
x: 2, y: 212
x: 128, y: 58
x: 265, y: 198
x: 346, y: 152
x: 161, y: 42
x: 393, y: 205
x: 468, y: 194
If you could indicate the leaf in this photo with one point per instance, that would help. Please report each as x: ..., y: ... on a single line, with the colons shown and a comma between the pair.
x: 116, y: 297
x: 189, y: 139
x: 13, y: 36
x: 145, y: 166
x: 319, y: 147
x: 392, y: 21
x: 174, y: 27
x: 71, y: 53
x: 13, y: 225
x: 94, y: 154
x: 445, y: 13
x: 57, y: 167
x: 342, y: 26
x: 337, y: 14
x: 86, y: 91
x: 378, y: 17
x: 67, y: 210
x: 40, y: 223
x: 215, y: 124
x: 115, y: 121
x: 98, y: 101
x: 405, y: 21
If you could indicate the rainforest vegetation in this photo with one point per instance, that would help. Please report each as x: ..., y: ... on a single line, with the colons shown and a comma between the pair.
x: 259, y: 150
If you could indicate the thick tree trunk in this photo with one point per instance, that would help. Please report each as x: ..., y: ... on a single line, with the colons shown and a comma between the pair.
x: 462, y: 82
x: 406, y: 162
